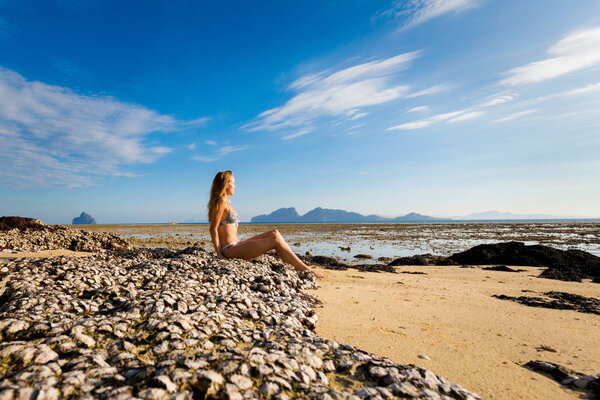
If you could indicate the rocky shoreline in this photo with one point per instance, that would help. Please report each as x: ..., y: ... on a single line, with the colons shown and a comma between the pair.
x: 160, y: 324
x: 19, y: 234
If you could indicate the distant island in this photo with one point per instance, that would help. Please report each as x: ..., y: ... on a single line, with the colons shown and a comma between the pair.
x: 327, y: 215
x: 84, y: 219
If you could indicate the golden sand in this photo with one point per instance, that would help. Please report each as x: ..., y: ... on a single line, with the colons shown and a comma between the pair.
x: 473, y: 339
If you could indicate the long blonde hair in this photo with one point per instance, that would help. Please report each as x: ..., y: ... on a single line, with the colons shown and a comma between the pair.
x: 217, y: 191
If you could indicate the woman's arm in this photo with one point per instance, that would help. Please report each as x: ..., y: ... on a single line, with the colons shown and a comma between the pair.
x: 214, y: 225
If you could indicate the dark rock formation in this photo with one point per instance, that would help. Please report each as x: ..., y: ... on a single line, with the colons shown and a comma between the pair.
x: 22, y: 224
x: 502, y: 268
x: 419, y: 259
x: 559, y: 301
x: 579, y: 264
x: 566, y: 265
x: 84, y: 219
x: 564, y: 376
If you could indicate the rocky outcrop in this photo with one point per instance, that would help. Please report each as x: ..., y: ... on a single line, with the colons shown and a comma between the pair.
x: 84, y: 219
x: 23, y: 224
x: 19, y: 234
x: 567, y: 377
x: 158, y: 324
x: 568, y: 265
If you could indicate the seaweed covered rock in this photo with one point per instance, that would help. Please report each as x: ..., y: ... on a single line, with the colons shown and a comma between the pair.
x: 562, y: 264
x: 22, y: 224
x: 419, y: 259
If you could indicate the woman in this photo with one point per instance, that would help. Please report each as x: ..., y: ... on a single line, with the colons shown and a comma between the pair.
x: 223, y: 229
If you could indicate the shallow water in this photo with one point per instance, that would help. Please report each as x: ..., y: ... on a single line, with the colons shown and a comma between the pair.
x: 384, y: 240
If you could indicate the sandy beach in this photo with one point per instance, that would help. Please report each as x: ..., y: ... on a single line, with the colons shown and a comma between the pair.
x: 471, y: 338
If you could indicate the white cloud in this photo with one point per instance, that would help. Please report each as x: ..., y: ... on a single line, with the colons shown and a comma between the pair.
x: 161, y: 150
x: 499, y: 100
x: 516, y: 115
x: 297, y: 134
x: 430, y: 90
x: 415, y: 12
x: 211, y: 142
x: 341, y: 94
x: 418, y: 109
x: 358, y: 115
x: 423, y: 123
x: 191, y: 146
x: 219, y: 153
x: 573, y: 92
x: 580, y: 50
x: 467, y: 116
x: 52, y: 136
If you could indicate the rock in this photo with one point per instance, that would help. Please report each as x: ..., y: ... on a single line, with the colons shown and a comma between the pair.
x: 166, y: 382
x: 84, y: 219
x: 269, y: 389
x: 241, y: 382
x: 153, y: 394
x: 559, y: 301
x: 424, y: 357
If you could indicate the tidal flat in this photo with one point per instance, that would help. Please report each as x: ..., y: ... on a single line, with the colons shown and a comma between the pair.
x: 345, y: 241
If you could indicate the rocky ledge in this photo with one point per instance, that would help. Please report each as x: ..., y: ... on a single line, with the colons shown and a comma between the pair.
x: 158, y: 324
x: 18, y: 234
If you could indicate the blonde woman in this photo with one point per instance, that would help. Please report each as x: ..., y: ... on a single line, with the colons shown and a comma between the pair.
x: 223, y: 229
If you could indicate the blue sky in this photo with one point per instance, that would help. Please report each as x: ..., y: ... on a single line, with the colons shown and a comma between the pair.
x: 442, y: 107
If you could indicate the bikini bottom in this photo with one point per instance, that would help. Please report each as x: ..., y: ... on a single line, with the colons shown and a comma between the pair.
x: 228, y: 246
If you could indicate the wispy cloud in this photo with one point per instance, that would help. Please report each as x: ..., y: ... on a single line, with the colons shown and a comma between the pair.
x: 516, y: 115
x: 430, y: 90
x: 191, y: 146
x: 418, y: 109
x: 423, y: 123
x: 341, y: 93
x: 415, y: 12
x: 219, y: 153
x: 297, y: 134
x: 467, y: 116
x: 212, y: 143
x: 577, y: 51
x: 592, y: 87
x: 499, y: 100
x: 52, y: 136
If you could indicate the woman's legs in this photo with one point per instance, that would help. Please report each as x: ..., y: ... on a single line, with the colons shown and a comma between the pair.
x: 260, y: 244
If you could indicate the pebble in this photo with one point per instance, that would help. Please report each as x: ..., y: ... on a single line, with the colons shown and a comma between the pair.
x: 424, y: 357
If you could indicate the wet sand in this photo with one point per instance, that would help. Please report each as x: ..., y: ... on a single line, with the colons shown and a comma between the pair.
x: 473, y: 339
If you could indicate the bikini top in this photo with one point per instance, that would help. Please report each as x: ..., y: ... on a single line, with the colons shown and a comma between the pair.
x: 232, y: 217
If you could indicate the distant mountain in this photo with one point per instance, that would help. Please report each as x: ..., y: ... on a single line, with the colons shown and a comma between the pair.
x: 84, y: 219
x: 414, y: 217
x: 325, y: 215
x: 285, y: 215
x: 495, y: 215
